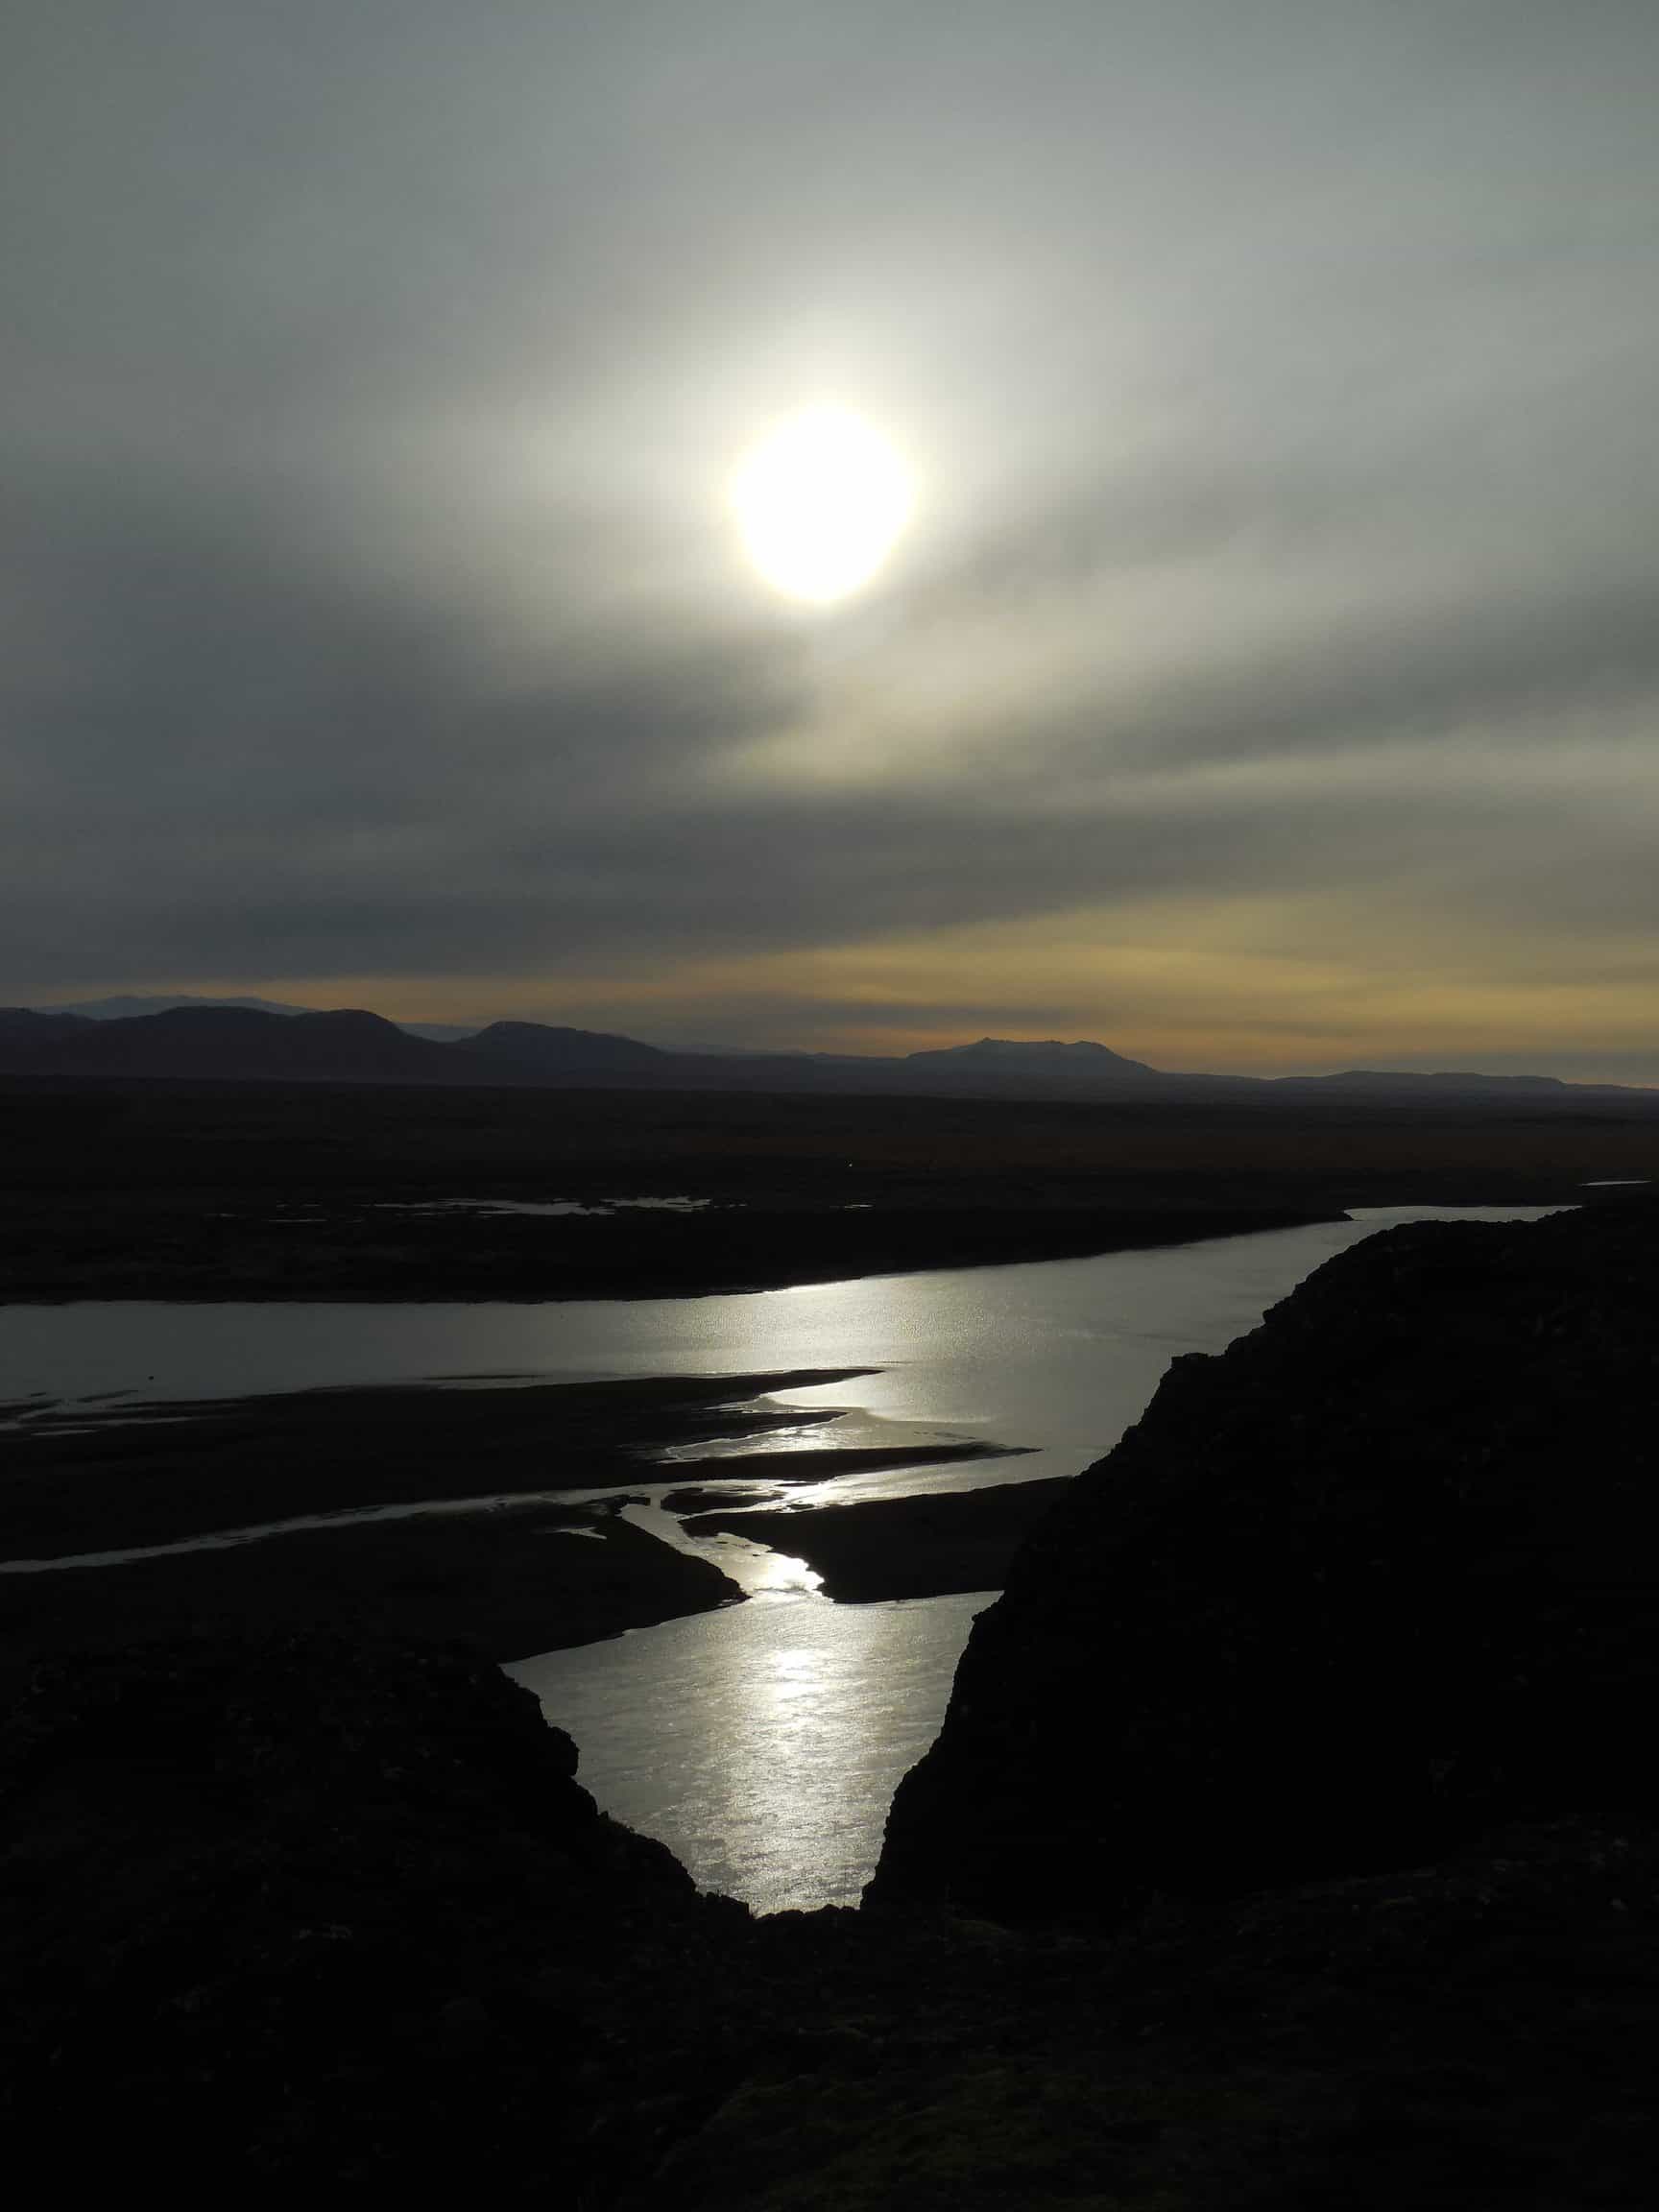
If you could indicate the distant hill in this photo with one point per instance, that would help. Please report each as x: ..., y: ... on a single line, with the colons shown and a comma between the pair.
x: 234, y: 1043
x: 1007, y: 1065
x: 123, y: 1008
x: 564, y: 1051
x: 212, y: 1042
x: 1014, y: 1053
x: 1376, y: 1080
x: 21, y: 1024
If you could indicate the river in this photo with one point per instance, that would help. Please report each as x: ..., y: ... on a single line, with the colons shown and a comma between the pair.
x: 761, y: 1742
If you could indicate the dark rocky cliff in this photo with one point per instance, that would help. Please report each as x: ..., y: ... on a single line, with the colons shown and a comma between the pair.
x: 1380, y: 1576
x: 310, y: 1909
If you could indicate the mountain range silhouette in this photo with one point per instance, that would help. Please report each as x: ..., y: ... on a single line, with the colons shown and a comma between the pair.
x: 240, y: 1042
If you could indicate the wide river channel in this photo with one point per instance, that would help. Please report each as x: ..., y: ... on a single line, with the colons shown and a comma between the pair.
x: 762, y: 1742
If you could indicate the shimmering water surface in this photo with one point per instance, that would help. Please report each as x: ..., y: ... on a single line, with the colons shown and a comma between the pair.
x: 761, y: 1742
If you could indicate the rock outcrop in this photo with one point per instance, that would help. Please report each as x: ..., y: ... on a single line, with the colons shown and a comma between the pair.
x: 282, y: 1912
x: 1379, y: 1577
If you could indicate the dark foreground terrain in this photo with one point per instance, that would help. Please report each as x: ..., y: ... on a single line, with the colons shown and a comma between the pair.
x: 1291, y: 1843
x: 1384, y: 1570
x: 156, y: 1189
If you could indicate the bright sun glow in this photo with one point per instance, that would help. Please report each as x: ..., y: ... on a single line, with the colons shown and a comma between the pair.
x: 820, y: 502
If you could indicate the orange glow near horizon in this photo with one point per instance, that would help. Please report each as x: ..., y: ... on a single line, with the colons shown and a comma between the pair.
x: 1223, y: 987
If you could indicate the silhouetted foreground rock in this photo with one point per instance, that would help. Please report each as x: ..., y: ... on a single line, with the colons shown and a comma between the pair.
x: 308, y: 1909
x: 1378, y: 1577
x: 1457, y: 2038
x: 307, y: 1917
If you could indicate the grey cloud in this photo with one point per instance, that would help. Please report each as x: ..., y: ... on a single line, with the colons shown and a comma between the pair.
x: 1435, y: 673
x: 227, y: 764
x: 1225, y: 296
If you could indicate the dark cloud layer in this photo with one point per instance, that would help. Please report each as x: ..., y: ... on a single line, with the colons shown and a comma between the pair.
x: 1274, y: 380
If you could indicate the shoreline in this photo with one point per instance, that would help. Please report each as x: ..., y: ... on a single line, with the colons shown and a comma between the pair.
x: 507, y: 1582
x: 939, y: 1544
x: 162, y: 1472
x: 497, y: 1259
x: 192, y: 1194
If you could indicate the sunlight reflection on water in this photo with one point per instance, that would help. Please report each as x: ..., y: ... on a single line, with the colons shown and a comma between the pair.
x: 764, y: 1744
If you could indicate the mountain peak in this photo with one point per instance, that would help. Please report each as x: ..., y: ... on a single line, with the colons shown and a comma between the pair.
x: 543, y: 1045
x: 1050, y: 1053
x: 125, y: 1007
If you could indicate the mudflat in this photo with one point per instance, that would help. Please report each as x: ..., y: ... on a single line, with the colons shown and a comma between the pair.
x: 82, y: 1479
x: 511, y: 1571
x: 508, y: 1582
x: 931, y: 1546
x: 522, y: 1575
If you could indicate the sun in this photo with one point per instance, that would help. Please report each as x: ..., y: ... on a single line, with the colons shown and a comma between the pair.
x: 821, y: 502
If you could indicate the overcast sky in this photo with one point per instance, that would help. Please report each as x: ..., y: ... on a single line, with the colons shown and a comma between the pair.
x: 1267, y: 679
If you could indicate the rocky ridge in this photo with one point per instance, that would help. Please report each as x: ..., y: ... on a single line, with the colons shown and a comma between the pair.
x: 1380, y: 1574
